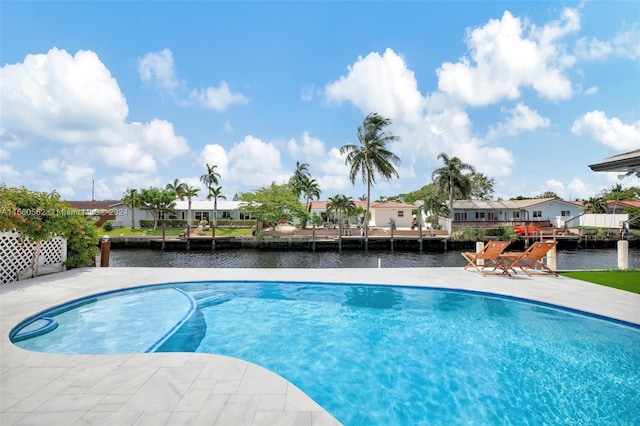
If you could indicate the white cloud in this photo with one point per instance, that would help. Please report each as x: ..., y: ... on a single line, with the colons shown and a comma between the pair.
x: 158, y: 69
x: 380, y: 83
x: 7, y: 171
x: 625, y: 44
x: 591, y: 91
x: 610, y: 131
x: 309, y: 148
x: 59, y: 98
x: 214, y: 154
x: 519, y: 119
x: 503, y: 59
x: 255, y: 163
x: 218, y: 98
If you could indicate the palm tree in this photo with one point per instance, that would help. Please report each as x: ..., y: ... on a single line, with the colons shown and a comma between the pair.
x: 177, y: 187
x: 316, y: 220
x: 210, y: 178
x: 371, y: 157
x: 189, y: 192
x: 215, y: 193
x: 301, y: 173
x: 310, y: 189
x: 131, y: 200
x: 595, y: 205
x: 449, y: 179
x: 434, y: 206
x: 340, y: 204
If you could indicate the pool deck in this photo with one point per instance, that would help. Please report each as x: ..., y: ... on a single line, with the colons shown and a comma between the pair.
x: 201, y: 389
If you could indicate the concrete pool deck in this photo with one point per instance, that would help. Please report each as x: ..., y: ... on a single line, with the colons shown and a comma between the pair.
x: 194, y: 389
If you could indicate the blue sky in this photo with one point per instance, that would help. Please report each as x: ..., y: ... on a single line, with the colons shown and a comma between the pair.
x: 136, y: 94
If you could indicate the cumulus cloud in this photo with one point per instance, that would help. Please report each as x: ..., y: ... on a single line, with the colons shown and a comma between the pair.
x: 508, y: 54
x: 57, y: 96
x: 381, y: 83
x: 255, y: 163
x: 157, y: 68
x: 308, y: 148
x: 625, y: 44
x: 519, y: 119
x: 62, y: 99
x: 214, y: 154
x: 610, y: 131
x: 218, y: 98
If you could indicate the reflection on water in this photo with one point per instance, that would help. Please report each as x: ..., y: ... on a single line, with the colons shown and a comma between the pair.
x: 566, y: 259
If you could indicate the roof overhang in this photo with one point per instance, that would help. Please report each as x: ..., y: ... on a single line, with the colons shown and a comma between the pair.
x: 627, y: 163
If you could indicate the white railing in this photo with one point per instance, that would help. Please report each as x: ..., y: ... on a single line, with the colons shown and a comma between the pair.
x: 21, y: 259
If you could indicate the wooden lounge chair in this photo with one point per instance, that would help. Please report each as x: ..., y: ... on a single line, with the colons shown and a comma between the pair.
x: 489, y: 255
x: 531, y: 259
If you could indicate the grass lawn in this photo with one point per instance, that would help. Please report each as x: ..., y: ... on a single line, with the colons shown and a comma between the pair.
x: 623, y: 280
x: 220, y: 232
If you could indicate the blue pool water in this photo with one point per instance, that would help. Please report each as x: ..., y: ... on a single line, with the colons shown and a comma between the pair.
x: 381, y: 355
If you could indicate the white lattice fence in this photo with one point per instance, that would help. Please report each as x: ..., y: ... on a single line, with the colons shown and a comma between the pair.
x: 17, y: 257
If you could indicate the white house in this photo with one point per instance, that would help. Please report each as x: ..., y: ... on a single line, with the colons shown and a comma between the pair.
x: 555, y: 211
x: 381, y: 213
x: 200, y: 210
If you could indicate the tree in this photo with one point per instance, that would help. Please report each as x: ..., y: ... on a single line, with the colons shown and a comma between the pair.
x: 481, y: 186
x: 433, y: 207
x: 130, y: 199
x: 420, y: 194
x: 341, y: 205
x: 210, y: 178
x: 618, y: 193
x: 316, y: 220
x: 189, y: 192
x: 371, y: 157
x: 157, y: 201
x: 595, y: 205
x: 450, y: 179
x: 39, y: 216
x: 272, y: 203
x: 177, y: 188
x: 215, y: 193
x: 299, y: 175
x: 310, y: 189
x: 549, y: 194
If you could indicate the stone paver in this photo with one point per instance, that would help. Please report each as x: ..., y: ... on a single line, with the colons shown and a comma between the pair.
x: 203, y: 389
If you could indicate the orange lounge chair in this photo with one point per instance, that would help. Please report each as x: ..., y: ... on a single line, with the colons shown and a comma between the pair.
x: 531, y: 259
x: 489, y: 255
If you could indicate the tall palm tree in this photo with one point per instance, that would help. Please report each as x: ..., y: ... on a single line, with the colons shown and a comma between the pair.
x: 210, y: 178
x: 131, y: 200
x: 371, y: 157
x: 341, y: 205
x: 450, y: 179
x: 595, y: 205
x: 215, y: 193
x: 299, y: 175
x: 310, y: 189
x: 433, y: 207
x: 189, y: 192
x: 177, y: 187
x: 316, y: 220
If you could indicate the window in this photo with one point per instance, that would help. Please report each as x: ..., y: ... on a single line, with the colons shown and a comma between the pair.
x: 400, y: 213
x: 244, y: 216
x: 460, y: 216
x: 565, y: 213
x: 537, y: 213
x: 480, y: 215
x: 516, y: 215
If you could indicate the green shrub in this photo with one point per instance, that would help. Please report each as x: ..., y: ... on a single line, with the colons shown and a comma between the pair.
x: 107, y: 226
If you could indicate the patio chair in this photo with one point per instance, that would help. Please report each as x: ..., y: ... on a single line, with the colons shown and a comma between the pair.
x: 531, y: 259
x: 489, y: 255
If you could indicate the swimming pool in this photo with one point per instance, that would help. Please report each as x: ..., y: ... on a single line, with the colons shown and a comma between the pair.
x: 376, y: 354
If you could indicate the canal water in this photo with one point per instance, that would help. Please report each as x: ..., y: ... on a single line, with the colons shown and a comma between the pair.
x: 582, y: 259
